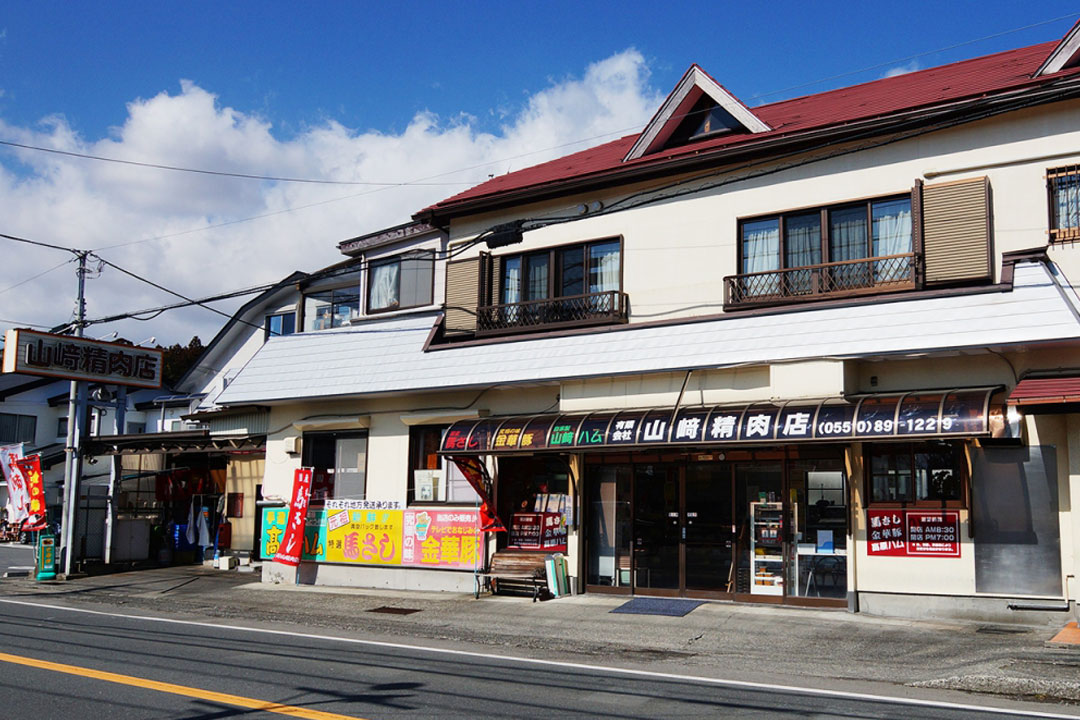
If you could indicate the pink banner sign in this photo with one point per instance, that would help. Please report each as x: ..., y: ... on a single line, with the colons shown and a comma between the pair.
x: 292, y: 543
x: 450, y: 538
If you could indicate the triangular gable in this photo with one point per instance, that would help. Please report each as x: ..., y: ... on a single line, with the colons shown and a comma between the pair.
x: 1066, y: 54
x: 687, y: 94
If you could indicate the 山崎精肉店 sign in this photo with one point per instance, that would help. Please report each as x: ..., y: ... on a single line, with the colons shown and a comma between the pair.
x: 36, y: 353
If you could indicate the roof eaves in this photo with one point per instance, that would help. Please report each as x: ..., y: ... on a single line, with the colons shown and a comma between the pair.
x: 1061, y: 56
x: 691, y: 158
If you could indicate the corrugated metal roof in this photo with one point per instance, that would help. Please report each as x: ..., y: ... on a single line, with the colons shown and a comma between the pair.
x: 388, y: 356
x: 912, y: 91
x: 1046, y: 391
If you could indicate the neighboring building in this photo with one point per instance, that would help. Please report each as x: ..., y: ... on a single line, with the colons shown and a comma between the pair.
x: 819, y: 352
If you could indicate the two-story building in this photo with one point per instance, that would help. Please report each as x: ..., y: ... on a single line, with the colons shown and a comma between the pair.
x: 822, y: 351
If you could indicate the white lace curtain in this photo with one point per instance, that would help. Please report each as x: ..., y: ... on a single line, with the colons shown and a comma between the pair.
x: 384, y: 286
x: 604, y: 268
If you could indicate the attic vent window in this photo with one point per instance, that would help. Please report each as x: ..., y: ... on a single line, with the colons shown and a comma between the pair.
x: 714, y: 123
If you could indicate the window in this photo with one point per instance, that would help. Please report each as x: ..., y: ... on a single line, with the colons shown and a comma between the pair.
x: 434, y: 479
x: 331, y: 308
x: 17, y: 428
x: 401, y: 282
x: 135, y: 428
x: 774, y: 250
x: 562, y: 272
x: 921, y: 473
x: 339, y: 461
x: 1064, y: 203
x: 61, y: 427
x: 280, y: 324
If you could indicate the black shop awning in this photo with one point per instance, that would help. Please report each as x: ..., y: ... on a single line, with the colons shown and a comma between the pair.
x: 961, y: 412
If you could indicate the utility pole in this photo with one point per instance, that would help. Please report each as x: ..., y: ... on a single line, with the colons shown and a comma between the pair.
x: 75, y: 432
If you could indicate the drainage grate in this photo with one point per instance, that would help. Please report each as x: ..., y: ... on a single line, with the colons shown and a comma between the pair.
x: 1001, y: 630
x: 394, y: 610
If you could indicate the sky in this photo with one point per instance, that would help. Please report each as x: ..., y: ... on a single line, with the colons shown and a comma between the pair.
x: 401, y: 104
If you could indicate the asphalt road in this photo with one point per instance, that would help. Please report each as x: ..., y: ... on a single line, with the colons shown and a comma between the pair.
x: 73, y: 664
x: 15, y: 558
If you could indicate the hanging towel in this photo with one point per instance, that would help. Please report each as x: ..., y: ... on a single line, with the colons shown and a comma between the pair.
x: 190, y: 532
x: 204, y: 527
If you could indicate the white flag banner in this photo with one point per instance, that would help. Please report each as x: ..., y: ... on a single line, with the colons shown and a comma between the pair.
x: 18, y: 504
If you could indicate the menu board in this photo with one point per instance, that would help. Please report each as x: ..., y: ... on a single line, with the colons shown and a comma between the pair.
x: 913, y: 533
x: 538, y: 531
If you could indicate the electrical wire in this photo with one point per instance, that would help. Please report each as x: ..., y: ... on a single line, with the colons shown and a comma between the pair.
x: 35, y: 277
x: 911, y: 57
x: 218, y: 173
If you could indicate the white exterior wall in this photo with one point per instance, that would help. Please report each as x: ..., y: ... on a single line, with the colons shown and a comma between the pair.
x: 676, y: 253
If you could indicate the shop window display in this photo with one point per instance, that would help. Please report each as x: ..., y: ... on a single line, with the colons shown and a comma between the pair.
x: 533, y: 500
x: 339, y: 463
x: 434, y: 479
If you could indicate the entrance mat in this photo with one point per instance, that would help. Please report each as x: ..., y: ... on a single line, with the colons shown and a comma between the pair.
x: 672, y: 607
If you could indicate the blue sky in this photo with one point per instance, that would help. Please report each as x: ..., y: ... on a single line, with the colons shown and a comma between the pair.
x: 371, y: 92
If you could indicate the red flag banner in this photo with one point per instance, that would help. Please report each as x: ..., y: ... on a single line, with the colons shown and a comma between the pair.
x: 31, y: 470
x: 476, y: 473
x: 292, y: 542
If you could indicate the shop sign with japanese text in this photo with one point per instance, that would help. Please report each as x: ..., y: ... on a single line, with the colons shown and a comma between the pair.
x: 274, y: 521
x: 62, y: 356
x: 442, y: 538
x: 913, y: 533
x: 292, y: 540
x: 31, y: 471
x: 538, y: 531
x: 368, y: 537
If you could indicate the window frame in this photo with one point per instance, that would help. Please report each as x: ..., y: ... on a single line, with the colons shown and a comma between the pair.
x: 373, y: 264
x: 1055, y: 178
x: 268, y: 333
x: 824, y: 214
x: 309, y: 292
x: 444, y: 464
x: 960, y: 466
x: 18, y: 420
x: 555, y: 272
x: 308, y: 440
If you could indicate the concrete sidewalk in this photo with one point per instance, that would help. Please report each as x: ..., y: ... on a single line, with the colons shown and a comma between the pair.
x: 742, y: 642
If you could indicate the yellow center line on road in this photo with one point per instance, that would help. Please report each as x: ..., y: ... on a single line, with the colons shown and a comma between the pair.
x: 224, y: 698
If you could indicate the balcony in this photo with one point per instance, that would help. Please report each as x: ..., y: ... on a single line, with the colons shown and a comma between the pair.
x: 864, y: 276
x: 601, y: 308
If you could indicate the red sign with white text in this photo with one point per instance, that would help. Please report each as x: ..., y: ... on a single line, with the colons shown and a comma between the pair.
x: 913, y: 533
x: 31, y: 470
x: 292, y: 542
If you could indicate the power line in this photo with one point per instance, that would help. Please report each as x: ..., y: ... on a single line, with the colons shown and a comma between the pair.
x: 217, y: 173
x: 15, y: 238
x: 912, y: 57
x: 35, y: 277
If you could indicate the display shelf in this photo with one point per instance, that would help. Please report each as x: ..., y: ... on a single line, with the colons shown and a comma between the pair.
x: 766, y: 548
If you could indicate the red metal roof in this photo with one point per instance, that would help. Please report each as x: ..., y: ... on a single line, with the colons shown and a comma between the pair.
x: 990, y: 74
x: 1047, y: 390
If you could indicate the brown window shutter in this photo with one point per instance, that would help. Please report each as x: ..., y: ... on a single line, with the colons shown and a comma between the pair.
x: 496, y: 280
x: 462, y: 292
x: 956, y: 231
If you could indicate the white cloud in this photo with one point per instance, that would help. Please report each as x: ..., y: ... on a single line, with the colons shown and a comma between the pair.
x: 89, y: 204
x: 902, y: 69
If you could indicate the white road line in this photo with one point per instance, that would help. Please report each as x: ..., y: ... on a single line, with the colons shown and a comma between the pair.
x: 943, y: 705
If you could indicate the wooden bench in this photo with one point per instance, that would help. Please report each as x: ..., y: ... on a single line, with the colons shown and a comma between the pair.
x: 513, y: 570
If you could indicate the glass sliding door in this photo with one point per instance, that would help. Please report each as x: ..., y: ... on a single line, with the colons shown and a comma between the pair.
x: 708, y: 527
x: 817, y: 553
x: 657, y: 528
x: 608, y: 532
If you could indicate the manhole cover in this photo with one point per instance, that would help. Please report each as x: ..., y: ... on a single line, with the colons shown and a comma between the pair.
x: 394, y: 610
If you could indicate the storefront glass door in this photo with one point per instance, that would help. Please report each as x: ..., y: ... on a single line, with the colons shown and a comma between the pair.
x: 657, y: 527
x: 709, y: 527
x: 758, y: 510
x: 609, y: 536
x: 817, y: 553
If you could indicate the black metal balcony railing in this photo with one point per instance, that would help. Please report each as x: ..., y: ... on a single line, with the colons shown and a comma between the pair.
x: 610, y: 306
x: 887, y: 273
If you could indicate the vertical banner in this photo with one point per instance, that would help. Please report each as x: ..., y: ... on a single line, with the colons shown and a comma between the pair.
x: 292, y: 542
x: 31, y: 472
x: 18, y: 504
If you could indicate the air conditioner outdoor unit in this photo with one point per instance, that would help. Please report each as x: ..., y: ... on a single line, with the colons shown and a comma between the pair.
x: 292, y: 445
